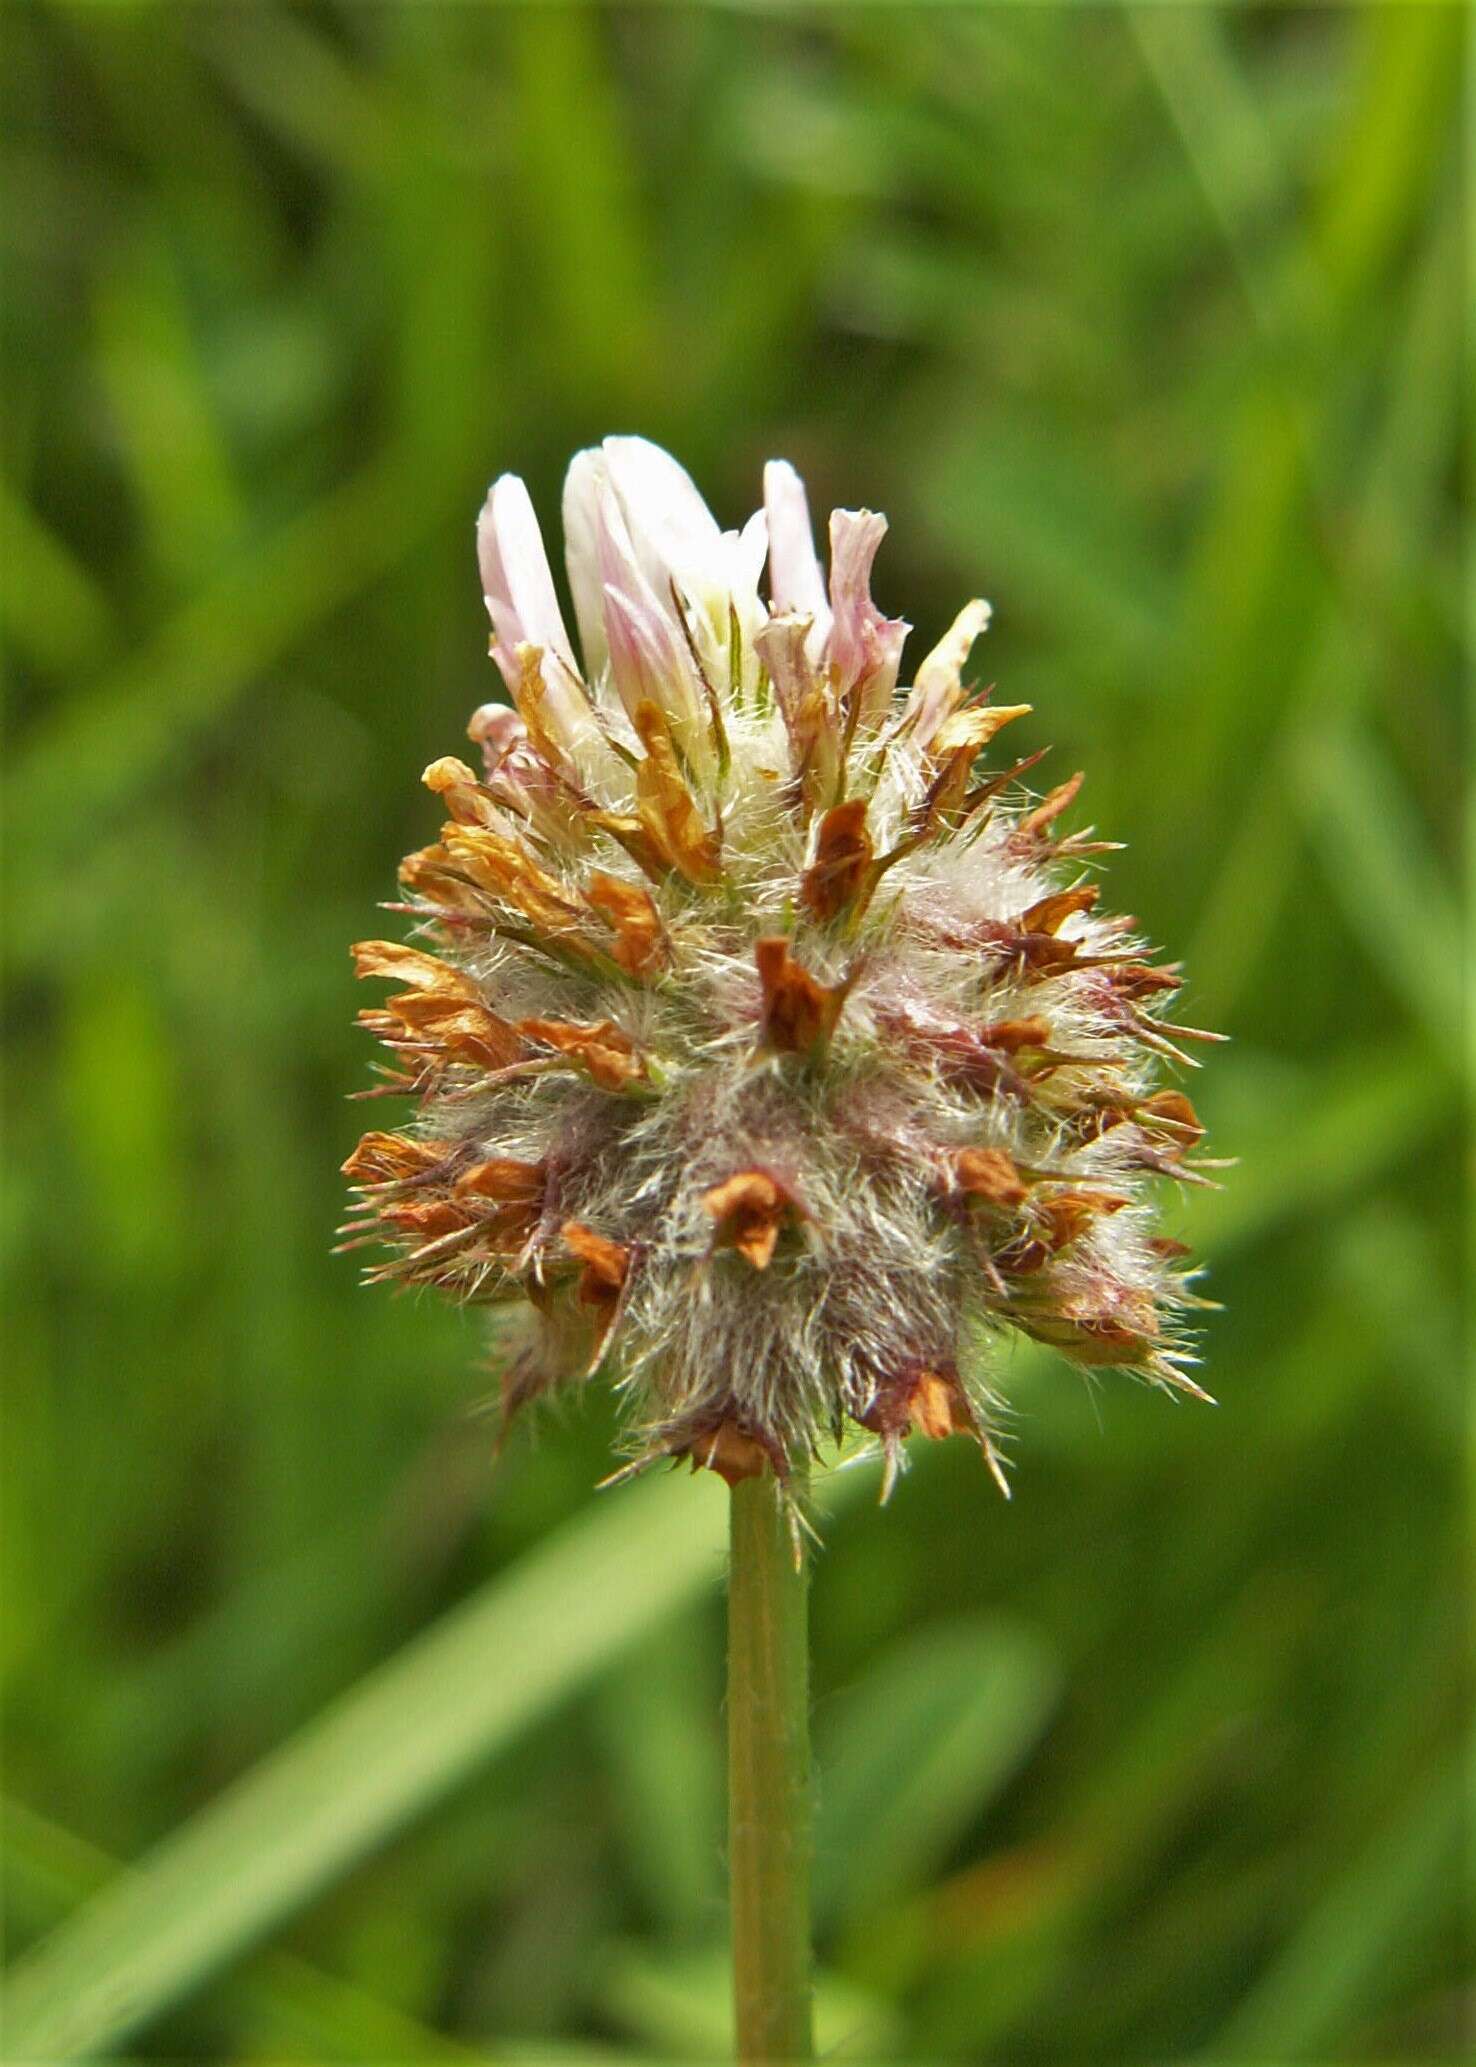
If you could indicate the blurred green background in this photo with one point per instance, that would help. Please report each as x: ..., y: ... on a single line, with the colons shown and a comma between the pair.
x: 1147, y: 324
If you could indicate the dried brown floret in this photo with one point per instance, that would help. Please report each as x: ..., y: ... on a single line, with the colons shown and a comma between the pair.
x: 769, y: 1047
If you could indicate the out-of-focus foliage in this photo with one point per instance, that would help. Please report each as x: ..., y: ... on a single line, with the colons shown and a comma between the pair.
x: 1145, y: 322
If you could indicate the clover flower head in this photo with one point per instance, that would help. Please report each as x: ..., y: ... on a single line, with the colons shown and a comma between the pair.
x: 769, y: 1050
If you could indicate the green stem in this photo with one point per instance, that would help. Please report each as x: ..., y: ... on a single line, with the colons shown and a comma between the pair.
x: 768, y: 1779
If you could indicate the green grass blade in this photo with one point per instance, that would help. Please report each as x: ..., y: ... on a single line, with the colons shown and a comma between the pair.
x: 96, y: 752
x: 1382, y: 868
x: 1331, y: 1970
x: 383, y: 1753
x: 678, y: 2006
x: 926, y: 1740
x: 52, y: 607
x: 315, y: 2014
x: 1308, y: 1143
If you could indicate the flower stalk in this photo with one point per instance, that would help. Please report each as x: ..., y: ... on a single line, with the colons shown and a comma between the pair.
x: 769, y: 1819
x: 770, y: 1054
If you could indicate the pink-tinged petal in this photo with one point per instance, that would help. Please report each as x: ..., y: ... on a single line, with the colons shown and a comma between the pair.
x: 516, y: 773
x: 649, y: 657
x: 937, y: 688
x: 634, y: 523
x: 689, y: 563
x: 582, y: 487
x: 865, y: 649
x: 640, y: 651
x: 795, y: 580
x: 498, y: 731
x: 855, y: 536
x: 517, y: 585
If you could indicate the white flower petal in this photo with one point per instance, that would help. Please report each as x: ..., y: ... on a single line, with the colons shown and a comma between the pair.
x: 517, y: 585
x: 745, y: 553
x: 751, y: 548
x: 582, y: 485
x: 795, y: 580
x: 673, y: 531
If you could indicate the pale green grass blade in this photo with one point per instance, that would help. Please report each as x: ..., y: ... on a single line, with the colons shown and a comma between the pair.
x: 1401, y: 102
x: 382, y: 1754
x: 286, y: 1999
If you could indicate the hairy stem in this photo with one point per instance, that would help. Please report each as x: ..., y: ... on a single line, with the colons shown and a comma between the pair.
x: 768, y: 1779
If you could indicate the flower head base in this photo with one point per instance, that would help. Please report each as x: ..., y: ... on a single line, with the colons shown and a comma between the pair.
x: 768, y: 1049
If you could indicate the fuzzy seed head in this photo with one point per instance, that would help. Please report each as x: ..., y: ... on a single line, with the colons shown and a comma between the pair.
x: 768, y: 1049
